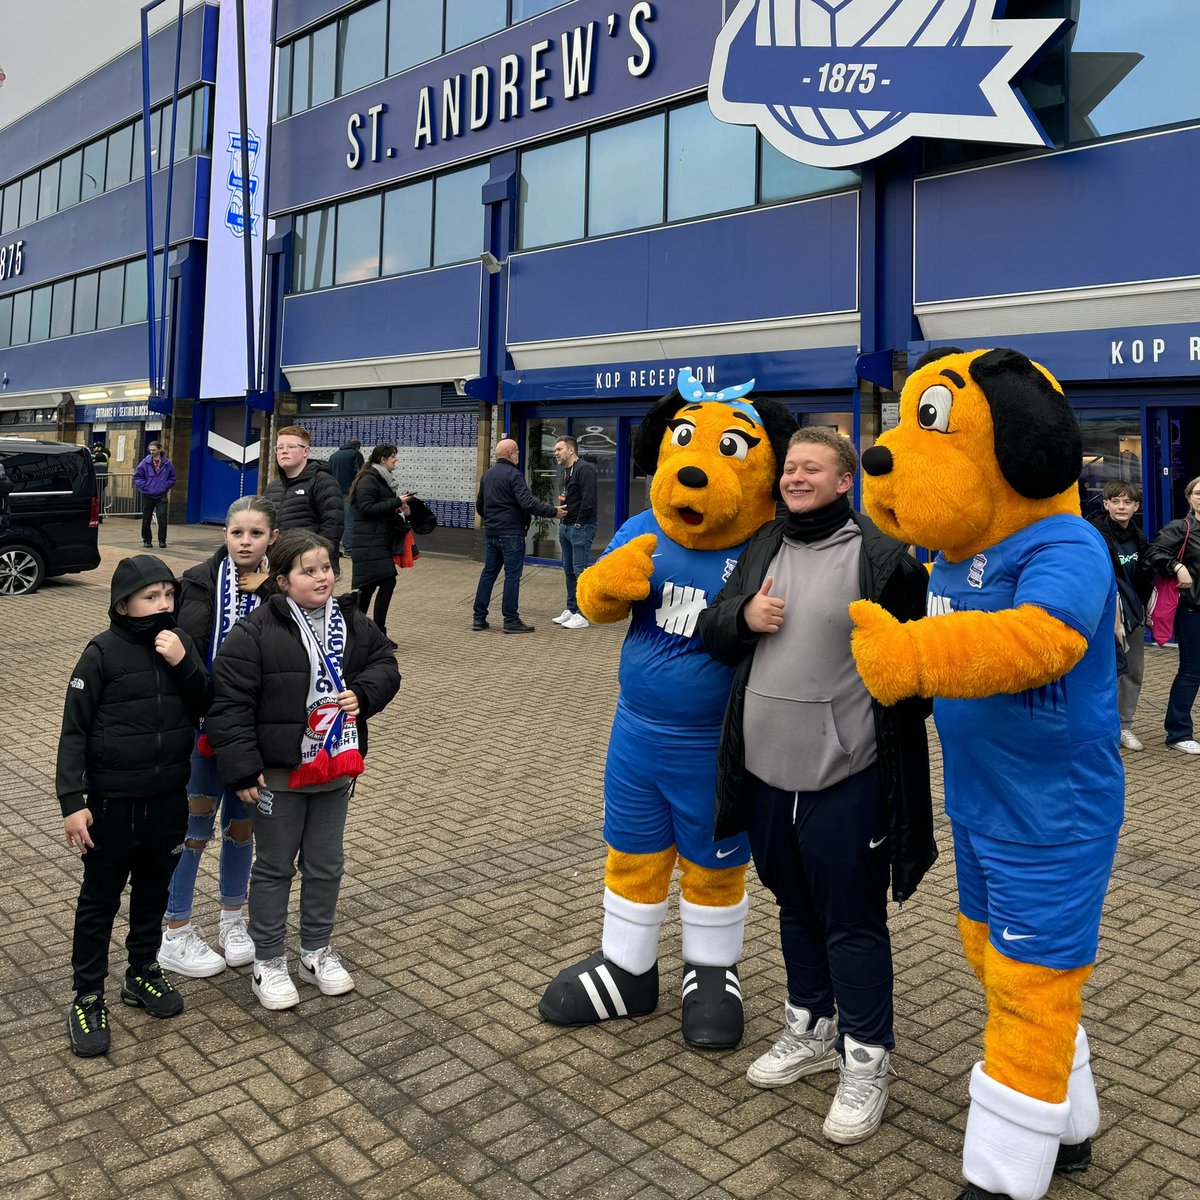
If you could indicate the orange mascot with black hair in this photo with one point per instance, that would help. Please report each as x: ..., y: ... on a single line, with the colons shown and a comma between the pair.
x: 716, y: 458
x: 1017, y: 654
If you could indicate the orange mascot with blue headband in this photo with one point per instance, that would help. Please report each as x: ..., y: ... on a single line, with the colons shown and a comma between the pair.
x: 1017, y: 654
x: 716, y: 460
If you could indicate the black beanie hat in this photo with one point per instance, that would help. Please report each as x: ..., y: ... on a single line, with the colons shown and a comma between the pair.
x: 133, y: 574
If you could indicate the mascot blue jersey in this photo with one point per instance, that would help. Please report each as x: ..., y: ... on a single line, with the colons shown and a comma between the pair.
x: 1041, y: 766
x: 664, y: 666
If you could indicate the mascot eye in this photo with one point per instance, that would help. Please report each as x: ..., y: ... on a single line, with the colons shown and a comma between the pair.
x: 933, y: 409
x: 735, y: 445
x: 681, y: 435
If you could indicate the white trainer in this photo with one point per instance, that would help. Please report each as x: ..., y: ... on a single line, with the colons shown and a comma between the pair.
x: 563, y: 617
x: 1130, y: 740
x: 802, y: 1050
x: 185, y: 952
x: 324, y: 969
x: 1188, y: 746
x: 862, y: 1093
x: 236, y: 942
x: 273, y: 985
x: 577, y: 621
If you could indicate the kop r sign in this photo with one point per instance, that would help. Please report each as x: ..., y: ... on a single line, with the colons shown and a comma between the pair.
x: 835, y: 83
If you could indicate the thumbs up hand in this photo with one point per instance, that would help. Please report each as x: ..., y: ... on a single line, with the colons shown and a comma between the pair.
x: 764, y: 613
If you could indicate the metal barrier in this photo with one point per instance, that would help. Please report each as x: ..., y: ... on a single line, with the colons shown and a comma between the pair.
x: 118, y: 496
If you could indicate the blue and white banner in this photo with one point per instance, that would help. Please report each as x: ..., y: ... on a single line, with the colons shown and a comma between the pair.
x: 835, y: 83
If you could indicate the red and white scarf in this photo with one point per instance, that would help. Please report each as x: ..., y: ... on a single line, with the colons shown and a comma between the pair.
x: 329, y: 747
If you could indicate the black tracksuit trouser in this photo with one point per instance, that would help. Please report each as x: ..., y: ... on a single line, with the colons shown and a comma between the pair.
x: 137, y: 841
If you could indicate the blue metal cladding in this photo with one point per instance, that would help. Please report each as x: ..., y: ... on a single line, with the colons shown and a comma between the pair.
x: 1115, y: 213
x: 71, y: 362
x: 309, y: 154
x: 109, y: 96
x: 426, y: 313
x: 111, y: 227
x: 785, y: 261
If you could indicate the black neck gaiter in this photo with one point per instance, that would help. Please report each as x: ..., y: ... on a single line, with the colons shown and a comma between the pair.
x: 818, y: 524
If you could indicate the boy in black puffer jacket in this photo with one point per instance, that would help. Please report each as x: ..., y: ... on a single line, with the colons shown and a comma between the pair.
x: 132, y: 706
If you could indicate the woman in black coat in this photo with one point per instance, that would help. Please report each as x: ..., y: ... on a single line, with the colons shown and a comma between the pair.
x: 379, y: 513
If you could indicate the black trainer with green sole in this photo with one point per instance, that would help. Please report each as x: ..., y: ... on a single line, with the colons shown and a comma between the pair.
x: 87, y: 1024
x: 151, y: 989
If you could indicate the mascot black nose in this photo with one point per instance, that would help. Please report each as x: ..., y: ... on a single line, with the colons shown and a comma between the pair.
x: 877, y: 460
x: 692, y: 477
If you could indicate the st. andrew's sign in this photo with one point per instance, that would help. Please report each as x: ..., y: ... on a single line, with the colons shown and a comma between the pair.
x: 835, y: 83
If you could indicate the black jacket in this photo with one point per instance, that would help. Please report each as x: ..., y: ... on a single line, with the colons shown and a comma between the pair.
x: 375, y: 506
x: 1143, y: 577
x: 260, y: 686
x: 344, y: 464
x: 579, y: 492
x: 1164, y: 550
x: 197, y: 602
x: 504, y: 503
x: 313, y: 501
x: 130, y: 720
x: 892, y: 578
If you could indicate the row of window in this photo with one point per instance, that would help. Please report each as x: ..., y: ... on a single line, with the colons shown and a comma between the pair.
x: 666, y: 167
x: 411, y: 228
x: 101, y: 299
x: 107, y: 162
x: 412, y: 398
x: 384, y: 38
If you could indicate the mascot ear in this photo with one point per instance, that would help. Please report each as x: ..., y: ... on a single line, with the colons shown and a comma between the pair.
x: 780, y: 425
x: 1039, y: 446
x: 649, y: 435
x: 934, y: 354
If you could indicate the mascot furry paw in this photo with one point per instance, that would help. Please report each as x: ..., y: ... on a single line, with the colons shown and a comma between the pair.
x: 1016, y: 652
x: 715, y: 458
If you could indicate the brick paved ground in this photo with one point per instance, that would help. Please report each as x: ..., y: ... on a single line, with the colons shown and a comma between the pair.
x: 474, y: 873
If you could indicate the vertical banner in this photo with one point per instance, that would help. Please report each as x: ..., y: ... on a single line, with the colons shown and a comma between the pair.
x: 223, y: 362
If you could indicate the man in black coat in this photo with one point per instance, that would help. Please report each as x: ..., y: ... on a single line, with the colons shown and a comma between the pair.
x: 306, y: 495
x: 346, y: 462
x: 505, y: 506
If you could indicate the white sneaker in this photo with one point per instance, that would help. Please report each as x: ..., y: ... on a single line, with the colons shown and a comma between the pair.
x: 1188, y: 746
x: 273, y: 985
x: 563, y: 617
x: 185, y: 952
x: 862, y: 1092
x: 324, y: 969
x: 1130, y: 740
x: 577, y: 621
x: 800, y: 1051
x: 236, y: 942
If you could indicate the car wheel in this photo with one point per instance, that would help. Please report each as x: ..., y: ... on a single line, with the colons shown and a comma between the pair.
x: 22, y: 570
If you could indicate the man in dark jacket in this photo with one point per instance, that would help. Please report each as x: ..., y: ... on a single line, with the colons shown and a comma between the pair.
x: 832, y: 788
x: 154, y: 477
x: 306, y: 495
x: 578, y: 527
x: 505, y: 506
x: 346, y: 462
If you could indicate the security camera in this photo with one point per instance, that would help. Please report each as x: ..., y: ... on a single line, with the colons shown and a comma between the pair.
x: 492, y: 264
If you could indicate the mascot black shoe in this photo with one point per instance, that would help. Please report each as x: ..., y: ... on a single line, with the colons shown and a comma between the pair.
x: 597, y: 989
x: 712, y: 1007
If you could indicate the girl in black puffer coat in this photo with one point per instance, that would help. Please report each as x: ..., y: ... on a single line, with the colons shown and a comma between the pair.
x: 379, y: 513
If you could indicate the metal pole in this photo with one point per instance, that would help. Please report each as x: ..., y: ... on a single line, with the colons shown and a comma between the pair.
x: 148, y: 168
x: 247, y: 214
x: 162, y: 329
x: 265, y: 173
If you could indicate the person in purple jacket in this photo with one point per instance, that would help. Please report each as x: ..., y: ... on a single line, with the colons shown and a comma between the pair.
x: 154, y: 477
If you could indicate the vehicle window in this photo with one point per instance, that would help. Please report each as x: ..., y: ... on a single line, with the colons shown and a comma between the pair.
x: 29, y: 472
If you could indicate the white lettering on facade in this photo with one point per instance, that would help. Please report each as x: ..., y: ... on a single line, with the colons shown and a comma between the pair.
x: 1137, y: 350
x: 1194, y: 349
x: 424, y: 135
x: 510, y: 100
x: 1115, y: 356
x: 451, y: 107
x: 577, y: 61
x: 1157, y: 348
x: 640, y: 63
x: 374, y: 112
x: 355, y: 156
x: 537, y: 76
x: 481, y: 96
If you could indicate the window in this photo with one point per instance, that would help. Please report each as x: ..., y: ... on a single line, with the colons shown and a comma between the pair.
x: 48, y: 202
x: 112, y: 284
x: 552, y: 193
x: 362, y: 47
x: 625, y: 190
x: 414, y: 34
x: 62, y: 308
x: 782, y: 178
x: 458, y: 215
x: 183, y: 129
x: 29, y: 199
x: 301, y: 61
x: 85, y: 303
x: 522, y: 10
x: 137, y: 160
x: 710, y: 165
x: 469, y: 20
x: 407, y: 228
x: 10, y: 217
x: 157, y: 159
x: 133, y: 309
x: 314, y: 250
x: 39, y: 314
x: 357, y: 255
x: 94, y: 156
x: 283, y: 99
x: 201, y: 106
x: 6, y: 307
x: 324, y: 64
x: 69, y: 179
x: 20, y: 318
x: 120, y: 158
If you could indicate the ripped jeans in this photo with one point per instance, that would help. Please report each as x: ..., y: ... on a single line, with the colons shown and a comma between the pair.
x: 207, y: 794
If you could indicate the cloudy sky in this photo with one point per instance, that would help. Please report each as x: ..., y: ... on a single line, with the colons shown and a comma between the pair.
x: 47, y: 44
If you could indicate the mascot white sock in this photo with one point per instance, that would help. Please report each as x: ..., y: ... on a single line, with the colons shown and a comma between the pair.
x: 712, y: 937
x: 631, y: 932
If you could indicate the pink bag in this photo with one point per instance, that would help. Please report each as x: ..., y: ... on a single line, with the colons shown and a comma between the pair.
x: 1160, y: 612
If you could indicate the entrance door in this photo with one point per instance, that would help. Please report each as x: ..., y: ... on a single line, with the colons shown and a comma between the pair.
x: 228, y: 466
x: 1176, y: 434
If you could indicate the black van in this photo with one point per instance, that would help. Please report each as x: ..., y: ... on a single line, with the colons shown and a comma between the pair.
x: 50, y: 518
